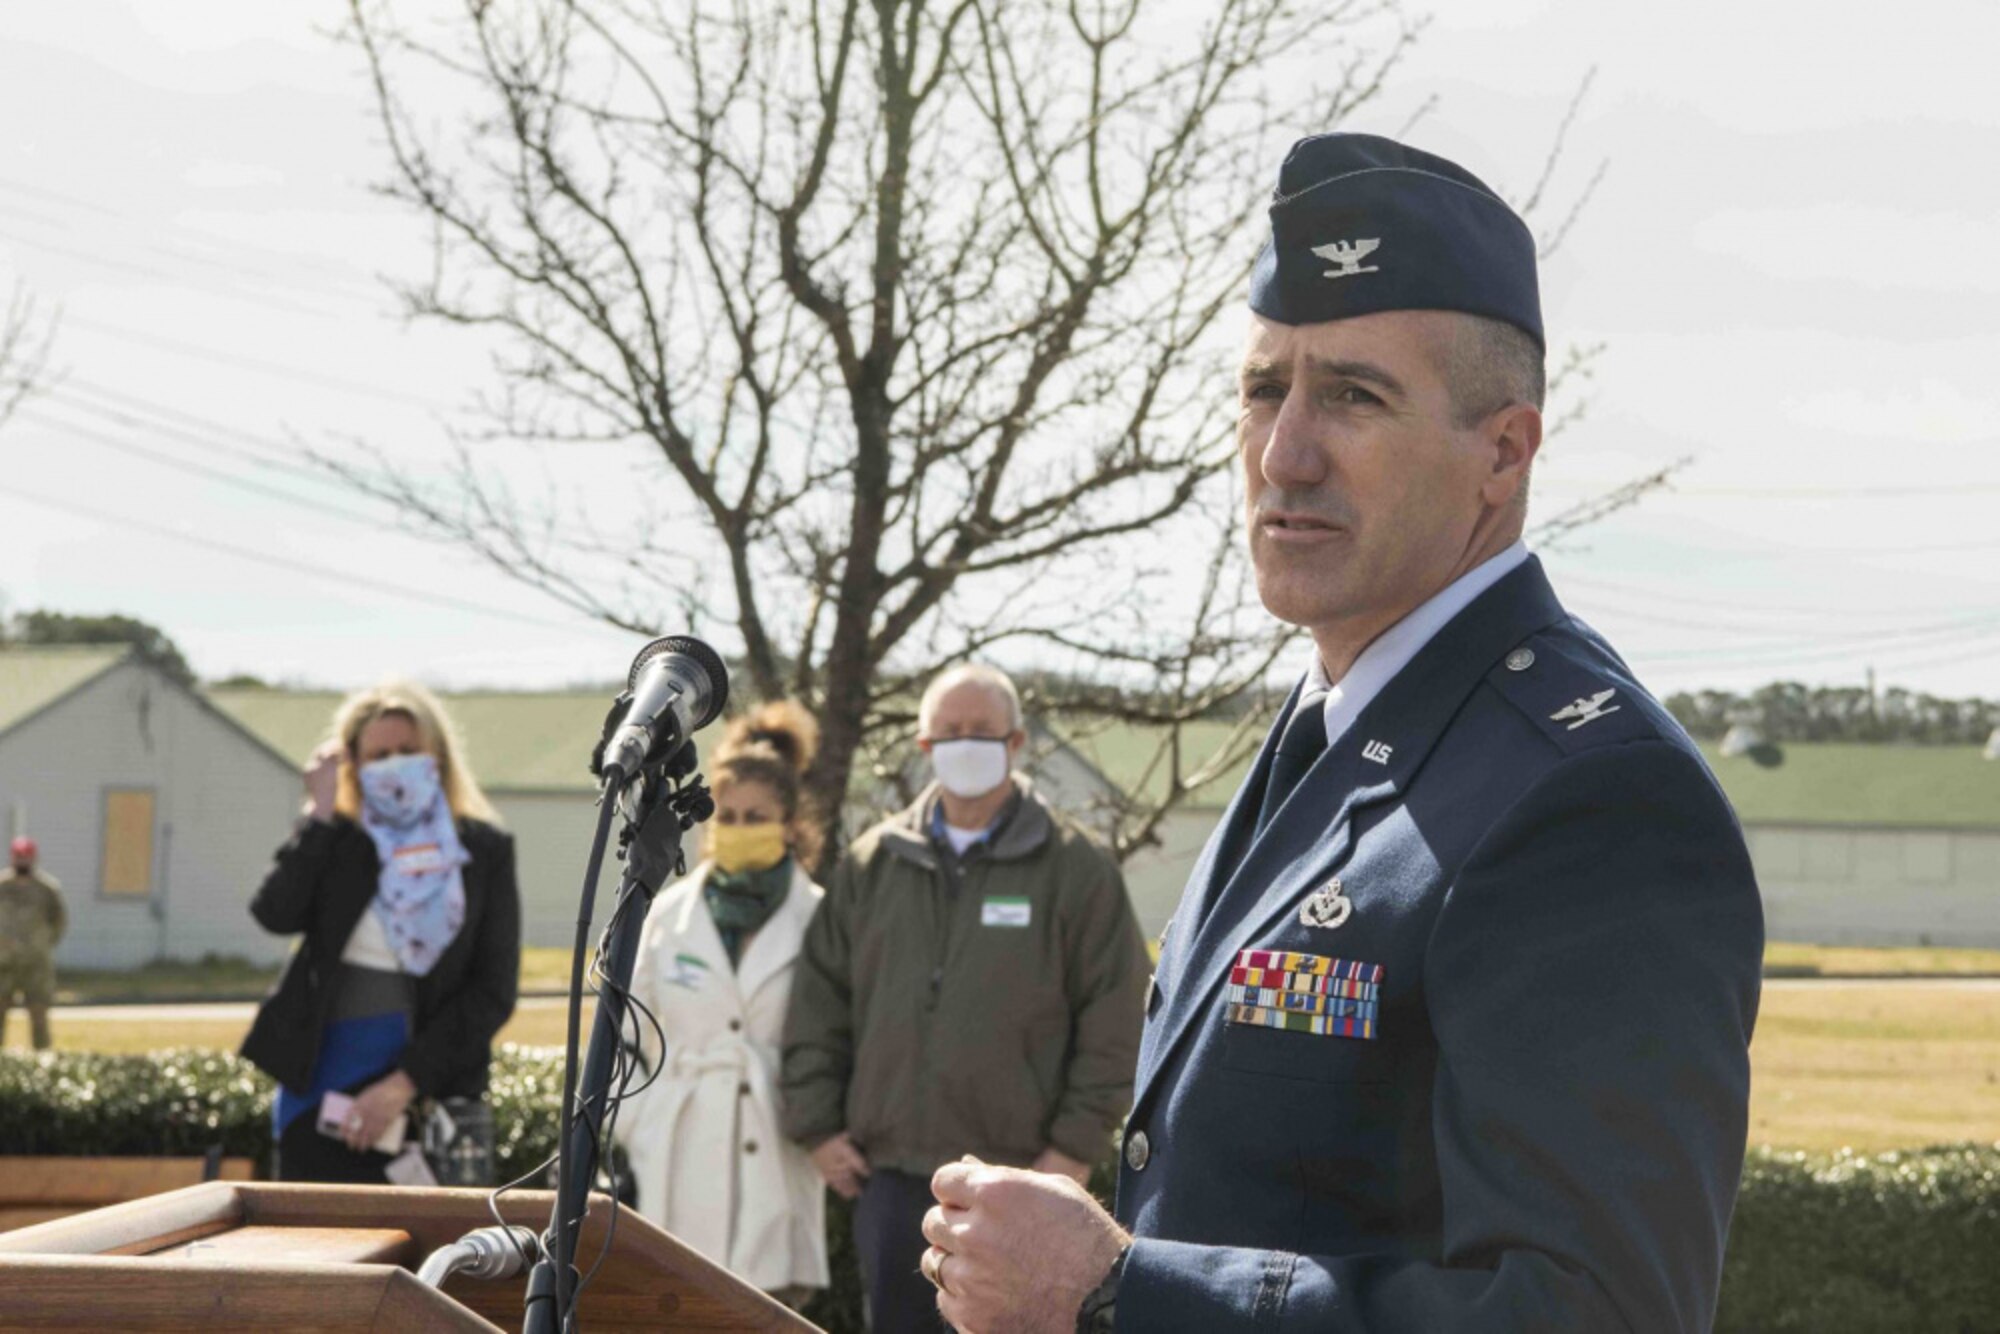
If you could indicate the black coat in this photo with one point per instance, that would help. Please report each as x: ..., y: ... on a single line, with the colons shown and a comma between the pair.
x: 322, y: 882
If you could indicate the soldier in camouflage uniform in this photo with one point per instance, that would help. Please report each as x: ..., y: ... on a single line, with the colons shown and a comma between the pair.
x: 32, y: 920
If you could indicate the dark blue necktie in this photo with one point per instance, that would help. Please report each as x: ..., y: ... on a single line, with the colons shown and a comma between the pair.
x: 1302, y: 742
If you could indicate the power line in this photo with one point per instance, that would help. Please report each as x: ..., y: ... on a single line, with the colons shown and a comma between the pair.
x: 1678, y: 623
x: 1649, y: 595
x: 318, y: 572
x: 1833, y: 492
x: 155, y: 408
x: 145, y: 420
x: 148, y: 417
x: 203, y: 471
x: 1810, y: 652
x: 240, y: 362
x: 1986, y: 651
x: 228, y: 291
x: 345, y: 274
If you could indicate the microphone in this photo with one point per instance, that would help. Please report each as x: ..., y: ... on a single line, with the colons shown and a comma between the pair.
x: 489, y: 1252
x: 677, y: 686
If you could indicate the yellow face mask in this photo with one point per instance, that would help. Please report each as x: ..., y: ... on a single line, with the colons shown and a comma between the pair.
x: 738, y: 848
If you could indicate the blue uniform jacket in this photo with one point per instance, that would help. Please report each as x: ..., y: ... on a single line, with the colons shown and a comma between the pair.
x: 1509, y: 1090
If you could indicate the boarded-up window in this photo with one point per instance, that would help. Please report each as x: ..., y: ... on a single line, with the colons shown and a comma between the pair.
x: 128, y: 842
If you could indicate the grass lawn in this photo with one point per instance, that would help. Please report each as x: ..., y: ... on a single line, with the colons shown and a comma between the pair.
x: 1876, y: 1065
x: 1866, y: 1065
x: 537, y: 1022
x: 543, y: 968
x: 1785, y: 959
x: 546, y: 969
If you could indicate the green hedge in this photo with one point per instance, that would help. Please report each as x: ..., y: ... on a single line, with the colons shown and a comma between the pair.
x: 1866, y: 1245
x: 1840, y: 1245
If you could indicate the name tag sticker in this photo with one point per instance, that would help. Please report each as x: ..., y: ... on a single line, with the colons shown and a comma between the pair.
x: 1005, y: 912
x: 687, y: 971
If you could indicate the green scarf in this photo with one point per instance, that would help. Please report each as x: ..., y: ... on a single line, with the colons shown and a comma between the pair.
x: 742, y: 902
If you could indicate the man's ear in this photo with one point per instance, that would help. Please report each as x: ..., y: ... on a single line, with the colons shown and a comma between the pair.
x: 1017, y: 741
x: 1513, y: 436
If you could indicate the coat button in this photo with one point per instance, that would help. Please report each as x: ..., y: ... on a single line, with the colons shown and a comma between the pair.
x: 749, y: 1146
x: 1520, y: 660
x: 736, y: 1025
x: 743, y: 1090
x: 1138, y: 1151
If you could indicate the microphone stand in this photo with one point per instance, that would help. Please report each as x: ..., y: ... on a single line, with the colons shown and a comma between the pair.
x: 665, y: 804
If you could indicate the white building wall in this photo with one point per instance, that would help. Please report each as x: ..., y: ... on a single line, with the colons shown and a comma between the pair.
x: 1827, y: 886
x: 1861, y: 886
x: 221, y: 804
x: 551, y: 844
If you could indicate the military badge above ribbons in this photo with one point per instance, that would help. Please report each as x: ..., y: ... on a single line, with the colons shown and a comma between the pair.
x: 1305, y: 993
x: 1328, y: 906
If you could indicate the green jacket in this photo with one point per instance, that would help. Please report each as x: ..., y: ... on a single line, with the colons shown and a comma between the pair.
x: 32, y: 917
x: 988, y: 1006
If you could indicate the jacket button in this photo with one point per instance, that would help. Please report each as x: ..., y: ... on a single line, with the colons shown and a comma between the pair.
x: 743, y: 1090
x: 749, y: 1146
x: 736, y: 1025
x: 1138, y: 1151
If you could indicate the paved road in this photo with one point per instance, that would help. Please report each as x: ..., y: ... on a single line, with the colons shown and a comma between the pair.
x: 239, y: 1011
x: 1929, y: 983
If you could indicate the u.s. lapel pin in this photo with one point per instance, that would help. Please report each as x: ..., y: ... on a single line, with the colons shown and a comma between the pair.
x: 1328, y: 907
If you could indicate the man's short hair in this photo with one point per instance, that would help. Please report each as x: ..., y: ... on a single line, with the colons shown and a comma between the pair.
x: 1490, y: 364
x: 992, y: 678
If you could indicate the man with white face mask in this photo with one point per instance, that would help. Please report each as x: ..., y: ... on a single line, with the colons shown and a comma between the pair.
x: 972, y: 983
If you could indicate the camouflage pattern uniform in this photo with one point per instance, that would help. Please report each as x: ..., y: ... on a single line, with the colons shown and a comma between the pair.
x: 32, y: 920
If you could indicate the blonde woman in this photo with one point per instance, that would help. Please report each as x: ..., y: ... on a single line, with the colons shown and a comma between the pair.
x: 715, y: 968
x: 402, y: 884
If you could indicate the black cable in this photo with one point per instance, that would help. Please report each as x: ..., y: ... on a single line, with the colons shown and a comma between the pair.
x: 528, y: 1257
x: 623, y: 1068
x: 564, y: 1250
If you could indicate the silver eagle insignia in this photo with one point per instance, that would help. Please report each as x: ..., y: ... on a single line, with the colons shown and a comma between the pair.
x: 1586, y: 710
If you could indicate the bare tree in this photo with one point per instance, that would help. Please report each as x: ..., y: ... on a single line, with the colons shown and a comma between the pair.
x: 914, y: 306
x: 25, y: 342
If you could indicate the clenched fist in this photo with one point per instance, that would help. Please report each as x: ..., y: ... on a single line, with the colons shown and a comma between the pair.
x: 1018, y: 1250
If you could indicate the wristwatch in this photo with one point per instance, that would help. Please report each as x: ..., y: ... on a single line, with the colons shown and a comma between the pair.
x: 1100, y: 1308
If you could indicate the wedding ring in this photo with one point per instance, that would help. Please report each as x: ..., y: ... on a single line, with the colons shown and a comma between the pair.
x: 933, y: 1267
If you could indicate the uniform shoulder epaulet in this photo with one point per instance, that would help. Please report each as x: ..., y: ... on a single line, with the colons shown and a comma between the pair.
x: 1575, y: 692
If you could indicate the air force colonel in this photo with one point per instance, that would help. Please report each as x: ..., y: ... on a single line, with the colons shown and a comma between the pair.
x: 1451, y: 1027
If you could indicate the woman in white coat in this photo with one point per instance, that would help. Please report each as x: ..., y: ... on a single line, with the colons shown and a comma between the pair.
x: 715, y: 968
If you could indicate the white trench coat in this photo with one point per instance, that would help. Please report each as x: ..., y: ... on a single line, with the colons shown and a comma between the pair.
x: 708, y: 1161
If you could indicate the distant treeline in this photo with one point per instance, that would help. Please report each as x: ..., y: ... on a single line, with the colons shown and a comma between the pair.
x: 1787, y: 711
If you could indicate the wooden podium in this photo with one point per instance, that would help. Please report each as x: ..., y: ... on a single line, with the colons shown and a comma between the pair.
x: 242, y: 1256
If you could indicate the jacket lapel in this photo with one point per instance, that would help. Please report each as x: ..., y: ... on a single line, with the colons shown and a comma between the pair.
x: 1219, y: 858
x: 777, y: 942
x: 1288, y: 859
x: 694, y: 926
x: 1301, y: 847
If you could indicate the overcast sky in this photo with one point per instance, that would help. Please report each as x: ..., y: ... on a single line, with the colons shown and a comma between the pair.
x: 1793, y: 261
